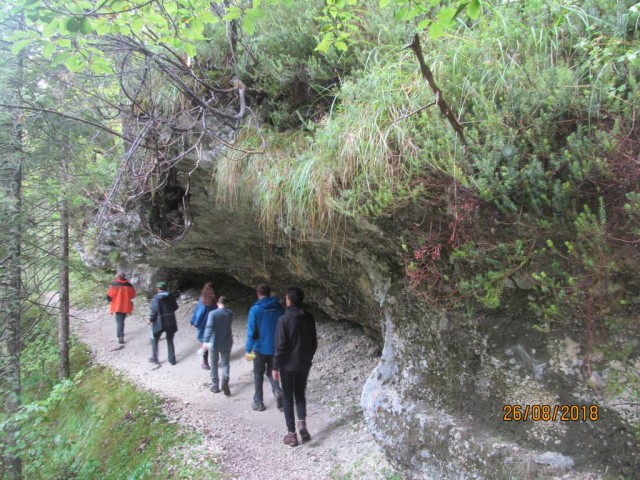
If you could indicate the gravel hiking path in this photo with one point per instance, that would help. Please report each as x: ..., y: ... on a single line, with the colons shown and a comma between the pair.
x: 248, y: 444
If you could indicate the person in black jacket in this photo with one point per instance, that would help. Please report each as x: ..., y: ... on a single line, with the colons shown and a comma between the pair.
x: 163, y: 319
x: 295, y: 345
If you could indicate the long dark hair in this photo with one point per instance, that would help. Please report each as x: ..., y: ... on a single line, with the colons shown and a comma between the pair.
x: 208, y: 295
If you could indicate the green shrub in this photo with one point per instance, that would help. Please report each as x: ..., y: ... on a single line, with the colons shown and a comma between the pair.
x: 86, y: 429
x: 294, y: 83
x: 544, y: 193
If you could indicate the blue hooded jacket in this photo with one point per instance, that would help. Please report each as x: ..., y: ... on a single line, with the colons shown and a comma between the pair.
x: 199, y: 318
x: 261, y: 325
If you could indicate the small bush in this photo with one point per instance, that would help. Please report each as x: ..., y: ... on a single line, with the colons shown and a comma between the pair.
x: 87, y: 429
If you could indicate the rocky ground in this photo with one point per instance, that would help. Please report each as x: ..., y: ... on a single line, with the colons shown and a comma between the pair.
x: 248, y: 444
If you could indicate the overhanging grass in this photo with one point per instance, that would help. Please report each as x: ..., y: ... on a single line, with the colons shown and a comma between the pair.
x: 548, y: 96
x: 528, y: 85
x: 360, y: 161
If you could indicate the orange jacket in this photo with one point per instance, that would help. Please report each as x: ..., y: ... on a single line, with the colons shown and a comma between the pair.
x: 120, y: 294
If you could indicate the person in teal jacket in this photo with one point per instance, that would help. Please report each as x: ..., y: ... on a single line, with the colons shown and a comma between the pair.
x: 261, y: 331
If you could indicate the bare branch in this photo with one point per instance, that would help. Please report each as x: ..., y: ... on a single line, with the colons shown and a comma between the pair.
x: 64, y: 115
x: 440, y: 101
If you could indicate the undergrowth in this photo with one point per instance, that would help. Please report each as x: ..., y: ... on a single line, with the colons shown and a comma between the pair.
x: 95, y: 425
x: 293, y: 84
x: 87, y: 285
x: 544, y: 197
x: 349, y: 167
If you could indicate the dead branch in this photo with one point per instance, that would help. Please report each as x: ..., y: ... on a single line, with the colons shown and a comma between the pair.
x: 440, y: 101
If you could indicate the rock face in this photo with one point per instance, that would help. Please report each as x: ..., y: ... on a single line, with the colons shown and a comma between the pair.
x: 440, y: 400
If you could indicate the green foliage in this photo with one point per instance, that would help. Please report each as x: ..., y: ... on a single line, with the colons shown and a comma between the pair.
x: 343, y: 18
x: 39, y: 359
x: 541, y: 147
x: 88, y: 285
x: 547, y: 94
x: 86, y: 429
x: 349, y: 167
x: 632, y: 211
x: 297, y: 83
x: 579, y: 278
x: 65, y: 34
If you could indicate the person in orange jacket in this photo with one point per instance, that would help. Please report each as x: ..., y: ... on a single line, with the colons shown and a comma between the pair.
x: 119, y: 295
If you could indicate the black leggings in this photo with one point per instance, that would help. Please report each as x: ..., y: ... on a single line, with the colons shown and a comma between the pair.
x: 294, y: 384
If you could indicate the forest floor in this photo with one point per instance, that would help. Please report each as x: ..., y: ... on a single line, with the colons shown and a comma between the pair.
x: 245, y: 443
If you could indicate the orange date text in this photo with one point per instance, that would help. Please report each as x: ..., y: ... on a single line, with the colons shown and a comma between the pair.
x: 546, y: 413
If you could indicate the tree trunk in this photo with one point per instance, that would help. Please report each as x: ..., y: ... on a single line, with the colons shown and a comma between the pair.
x: 11, y: 141
x: 63, y: 290
x: 10, y: 285
x: 232, y: 36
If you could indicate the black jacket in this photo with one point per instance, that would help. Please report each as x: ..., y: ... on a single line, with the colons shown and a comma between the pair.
x: 296, y: 340
x: 162, y: 316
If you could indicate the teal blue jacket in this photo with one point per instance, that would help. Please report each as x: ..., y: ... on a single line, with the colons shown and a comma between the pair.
x: 261, y: 325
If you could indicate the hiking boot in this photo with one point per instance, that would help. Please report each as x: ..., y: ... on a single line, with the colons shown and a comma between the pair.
x: 258, y: 407
x: 304, y: 433
x: 205, y: 365
x: 225, y: 388
x: 215, y: 389
x: 290, y: 439
x: 121, y: 340
x: 279, y: 399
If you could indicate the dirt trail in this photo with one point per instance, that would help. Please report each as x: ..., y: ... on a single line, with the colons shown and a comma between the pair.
x: 248, y: 444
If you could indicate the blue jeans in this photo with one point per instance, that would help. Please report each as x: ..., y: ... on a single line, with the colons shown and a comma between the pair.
x: 120, y: 324
x: 263, y: 364
x: 294, y: 385
x: 224, y: 365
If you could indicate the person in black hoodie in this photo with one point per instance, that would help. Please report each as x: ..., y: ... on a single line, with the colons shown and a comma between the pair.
x: 163, y: 319
x: 295, y: 345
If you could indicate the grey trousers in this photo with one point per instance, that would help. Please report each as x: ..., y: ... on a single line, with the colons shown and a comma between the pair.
x: 223, y: 357
x: 120, y: 324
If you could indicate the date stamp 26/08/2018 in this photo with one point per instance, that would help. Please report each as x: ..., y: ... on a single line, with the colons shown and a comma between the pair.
x: 545, y: 413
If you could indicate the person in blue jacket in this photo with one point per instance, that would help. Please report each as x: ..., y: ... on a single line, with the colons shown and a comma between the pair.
x: 206, y: 303
x: 261, y: 331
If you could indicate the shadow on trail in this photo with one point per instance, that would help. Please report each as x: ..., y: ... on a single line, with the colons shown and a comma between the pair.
x: 319, y: 437
x: 191, y: 349
x: 237, y: 354
x: 239, y: 386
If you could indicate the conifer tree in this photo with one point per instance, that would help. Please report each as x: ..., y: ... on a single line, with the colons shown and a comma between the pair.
x: 11, y: 157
